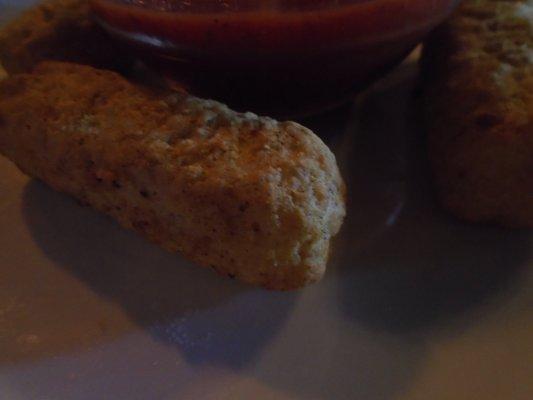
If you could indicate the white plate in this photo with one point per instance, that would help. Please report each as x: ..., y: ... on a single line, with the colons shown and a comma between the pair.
x: 415, y: 305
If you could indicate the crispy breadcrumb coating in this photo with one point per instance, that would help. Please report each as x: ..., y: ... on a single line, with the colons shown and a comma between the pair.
x: 251, y: 197
x: 60, y: 30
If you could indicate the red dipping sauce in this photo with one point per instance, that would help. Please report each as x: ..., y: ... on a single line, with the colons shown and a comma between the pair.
x: 273, y: 56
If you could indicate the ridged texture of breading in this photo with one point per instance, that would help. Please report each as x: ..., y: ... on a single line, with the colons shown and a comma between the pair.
x: 60, y: 30
x: 478, y: 91
x: 253, y: 198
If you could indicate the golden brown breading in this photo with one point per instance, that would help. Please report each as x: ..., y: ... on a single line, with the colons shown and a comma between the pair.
x: 57, y: 30
x: 478, y: 72
x: 253, y: 198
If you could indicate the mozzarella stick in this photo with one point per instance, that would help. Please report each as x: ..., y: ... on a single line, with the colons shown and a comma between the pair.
x: 57, y: 30
x: 250, y: 197
x: 478, y: 84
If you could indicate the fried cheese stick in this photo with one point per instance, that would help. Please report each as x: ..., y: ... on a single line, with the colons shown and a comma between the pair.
x: 60, y: 30
x: 478, y: 84
x: 251, y: 197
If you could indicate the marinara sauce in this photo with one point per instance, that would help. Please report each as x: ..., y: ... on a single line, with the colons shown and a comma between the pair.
x: 272, y: 56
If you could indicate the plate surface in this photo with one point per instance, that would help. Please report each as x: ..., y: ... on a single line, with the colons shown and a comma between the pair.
x: 415, y: 305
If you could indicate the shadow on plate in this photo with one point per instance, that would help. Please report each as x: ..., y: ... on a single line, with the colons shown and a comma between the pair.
x: 175, y: 302
x: 407, y: 266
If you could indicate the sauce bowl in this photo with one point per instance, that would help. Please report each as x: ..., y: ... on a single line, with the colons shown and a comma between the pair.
x: 283, y: 57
